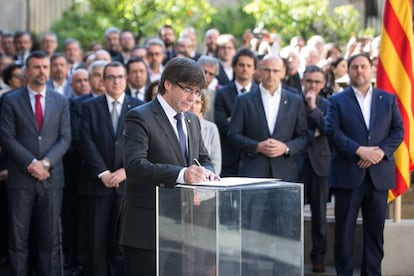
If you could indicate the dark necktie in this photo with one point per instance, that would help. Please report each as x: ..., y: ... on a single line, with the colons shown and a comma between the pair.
x: 181, y: 136
x: 243, y: 90
x: 115, y: 115
x: 38, y: 111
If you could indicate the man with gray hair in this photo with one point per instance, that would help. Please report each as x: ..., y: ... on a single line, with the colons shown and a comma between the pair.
x: 155, y: 55
x: 210, y: 66
x: 113, y: 42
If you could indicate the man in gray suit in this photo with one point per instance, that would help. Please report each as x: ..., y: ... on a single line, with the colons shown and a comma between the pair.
x: 159, y: 149
x: 35, y: 132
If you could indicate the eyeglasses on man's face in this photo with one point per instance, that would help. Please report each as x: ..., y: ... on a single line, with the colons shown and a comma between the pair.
x: 113, y: 77
x: 189, y: 90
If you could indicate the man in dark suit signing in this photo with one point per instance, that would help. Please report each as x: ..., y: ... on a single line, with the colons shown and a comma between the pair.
x: 102, y: 178
x: 35, y: 133
x: 365, y: 128
x: 161, y: 140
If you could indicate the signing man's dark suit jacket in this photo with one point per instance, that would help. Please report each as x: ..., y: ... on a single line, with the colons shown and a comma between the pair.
x: 100, y: 148
x: 223, y: 106
x: 248, y: 127
x: 23, y: 142
x: 347, y: 131
x: 153, y: 158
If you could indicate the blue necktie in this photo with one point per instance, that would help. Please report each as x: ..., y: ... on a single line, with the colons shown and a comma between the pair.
x: 181, y: 136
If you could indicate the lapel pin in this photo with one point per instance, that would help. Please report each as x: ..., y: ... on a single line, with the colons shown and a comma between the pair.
x: 380, y: 97
x: 285, y: 102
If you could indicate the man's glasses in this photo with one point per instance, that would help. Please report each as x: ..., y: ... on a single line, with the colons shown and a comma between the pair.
x: 113, y: 77
x: 313, y: 81
x: 189, y: 90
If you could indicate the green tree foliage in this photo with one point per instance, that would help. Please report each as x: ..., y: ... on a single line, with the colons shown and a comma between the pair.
x: 305, y: 18
x: 87, y: 20
x: 233, y: 20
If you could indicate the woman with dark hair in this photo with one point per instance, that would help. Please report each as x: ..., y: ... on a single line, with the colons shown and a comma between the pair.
x: 151, y: 91
x: 336, y: 77
x: 13, y: 77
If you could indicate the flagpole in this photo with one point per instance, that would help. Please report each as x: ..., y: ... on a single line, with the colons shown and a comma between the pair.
x: 397, y: 209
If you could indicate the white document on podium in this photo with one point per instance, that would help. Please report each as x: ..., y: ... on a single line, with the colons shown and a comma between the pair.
x: 235, y: 181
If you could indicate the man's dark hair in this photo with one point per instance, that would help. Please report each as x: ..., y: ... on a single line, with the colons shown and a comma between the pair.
x: 112, y: 64
x: 35, y: 54
x: 365, y: 55
x: 244, y: 52
x: 183, y: 70
x: 313, y: 69
x: 133, y: 60
x: 58, y: 55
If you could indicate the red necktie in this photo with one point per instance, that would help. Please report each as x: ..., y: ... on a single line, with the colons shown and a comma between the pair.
x: 38, y: 111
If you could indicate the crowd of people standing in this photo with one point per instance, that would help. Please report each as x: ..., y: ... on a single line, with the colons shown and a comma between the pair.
x: 263, y: 110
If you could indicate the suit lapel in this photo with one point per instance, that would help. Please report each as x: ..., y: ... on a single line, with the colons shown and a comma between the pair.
x: 376, y: 98
x: 284, y: 106
x: 27, y: 108
x: 104, y: 109
x: 354, y: 105
x: 258, y: 104
x: 167, y: 128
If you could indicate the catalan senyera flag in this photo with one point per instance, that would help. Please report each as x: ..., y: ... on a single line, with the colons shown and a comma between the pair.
x: 395, y: 74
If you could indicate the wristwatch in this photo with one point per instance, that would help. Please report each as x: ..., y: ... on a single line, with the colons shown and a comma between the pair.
x: 287, y: 152
x: 46, y: 164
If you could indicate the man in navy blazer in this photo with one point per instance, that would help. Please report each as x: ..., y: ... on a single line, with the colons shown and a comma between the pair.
x: 244, y: 64
x: 35, y: 133
x: 268, y: 126
x: 154, y: 157
x: 365, y: 128
x: 102, y: 178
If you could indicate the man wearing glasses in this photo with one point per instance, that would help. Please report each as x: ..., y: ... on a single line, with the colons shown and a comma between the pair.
x: 161, y: 140
x: 102, y: 179
x: 315, y: 162
x: 155, y: 55
x: 268, y: 126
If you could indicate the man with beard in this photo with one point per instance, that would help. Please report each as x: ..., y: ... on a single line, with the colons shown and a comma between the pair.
x: 167, y: 35
x: 58, y: 81
x: 35, y: 132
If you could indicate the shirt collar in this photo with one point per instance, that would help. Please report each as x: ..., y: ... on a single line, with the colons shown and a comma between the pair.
x: 266, y: 92
x: 356, y: 91
x: 239, y: 86
x: 169, y: 111
x: 120, y: 100
x: 32, y: 93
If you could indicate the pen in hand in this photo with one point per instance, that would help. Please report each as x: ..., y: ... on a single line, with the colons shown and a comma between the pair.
x: 196, y: 162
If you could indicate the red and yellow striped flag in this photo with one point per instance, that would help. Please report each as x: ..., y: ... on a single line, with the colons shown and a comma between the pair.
x: 395, y: 74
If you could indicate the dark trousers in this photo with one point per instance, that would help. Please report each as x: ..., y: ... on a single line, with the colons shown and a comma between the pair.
x: 316, y: 192
x: 373, y: 204
x: 35, y: 214
x: 104, y: 255
x: 140, y: 261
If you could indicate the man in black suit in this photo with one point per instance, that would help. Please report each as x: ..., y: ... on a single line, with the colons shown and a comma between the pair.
x: 244, y: 65
x: 35, y: 133
x: 226, y: 49
x: 268, y: 126
x: 315, y: 162
x: 365, y: 127
x: 137, y: 78
x: 102, y: 178
x: 159, y: 149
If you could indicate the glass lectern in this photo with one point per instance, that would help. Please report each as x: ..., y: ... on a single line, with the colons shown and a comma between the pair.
x: 239, y: 226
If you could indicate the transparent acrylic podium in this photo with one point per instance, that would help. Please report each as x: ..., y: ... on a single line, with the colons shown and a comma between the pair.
x: 244, y: 226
